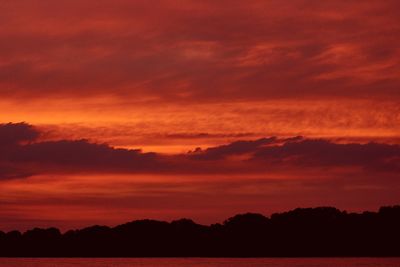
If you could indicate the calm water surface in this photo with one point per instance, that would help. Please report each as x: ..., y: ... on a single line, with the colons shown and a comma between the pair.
x: 202, y: 262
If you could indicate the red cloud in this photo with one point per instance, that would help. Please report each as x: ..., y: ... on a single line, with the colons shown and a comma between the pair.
x: 200, y: 51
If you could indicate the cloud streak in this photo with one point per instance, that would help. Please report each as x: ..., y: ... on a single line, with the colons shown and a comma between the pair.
x: 200, y: 51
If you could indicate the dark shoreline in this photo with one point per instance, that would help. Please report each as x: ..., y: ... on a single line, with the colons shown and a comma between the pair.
x: 323, y: 232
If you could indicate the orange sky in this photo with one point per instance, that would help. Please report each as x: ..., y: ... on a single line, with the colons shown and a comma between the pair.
x: 169, y: 76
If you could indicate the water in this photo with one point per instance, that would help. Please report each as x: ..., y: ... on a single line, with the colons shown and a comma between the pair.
x: 200, y: 262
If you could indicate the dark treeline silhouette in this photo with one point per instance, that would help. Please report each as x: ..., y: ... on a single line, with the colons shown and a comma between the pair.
x: 322, y: 231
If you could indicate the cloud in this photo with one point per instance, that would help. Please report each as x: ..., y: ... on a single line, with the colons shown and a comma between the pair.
x: 81, y: 154
x: 64, y: 155
x: 299, y: 152
x: 14, y: 133
x: 200, y: 51
x: 235, y: 148
x: 316, y: 153
x: 257, y: 156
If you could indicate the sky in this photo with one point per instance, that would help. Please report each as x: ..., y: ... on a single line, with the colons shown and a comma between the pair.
x: 112, y: 111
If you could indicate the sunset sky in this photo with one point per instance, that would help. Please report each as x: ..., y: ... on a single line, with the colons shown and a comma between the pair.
x: 112, y: 111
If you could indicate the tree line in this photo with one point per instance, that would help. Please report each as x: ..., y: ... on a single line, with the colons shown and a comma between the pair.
x: 302, y: 232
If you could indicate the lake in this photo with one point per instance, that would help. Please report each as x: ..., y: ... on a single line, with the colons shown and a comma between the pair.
x: 200, y: 262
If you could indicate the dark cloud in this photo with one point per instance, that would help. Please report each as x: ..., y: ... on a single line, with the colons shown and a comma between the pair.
x: 302, y: 152
x: 376, y: 156
x: 235, y: 148
x: 8, y: 171
x: 258, y: 156
x: 297, y: 152
x: 14, y: 133
x: 65, y: 155
x: 83, y: 155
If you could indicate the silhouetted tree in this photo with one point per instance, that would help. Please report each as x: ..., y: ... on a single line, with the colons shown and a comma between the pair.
x: 323, y: 231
